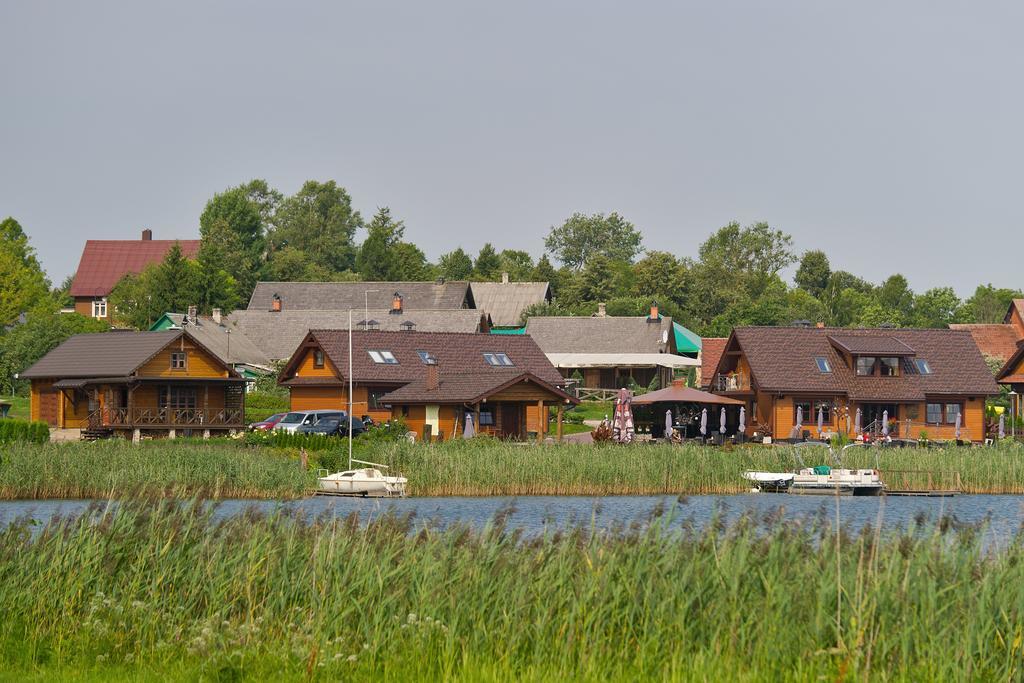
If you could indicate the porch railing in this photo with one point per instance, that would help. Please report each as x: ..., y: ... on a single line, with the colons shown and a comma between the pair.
x: 733, y: 382
x: 918, y: 431
x: 166, y: 417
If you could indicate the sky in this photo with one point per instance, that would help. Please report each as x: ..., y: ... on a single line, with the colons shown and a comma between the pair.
x: 886, y: 134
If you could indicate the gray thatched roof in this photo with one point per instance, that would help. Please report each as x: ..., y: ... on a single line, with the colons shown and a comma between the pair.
x: 609, y: 334
x: 506, y: 301
x: 277, y: 334
x: 341, y: 296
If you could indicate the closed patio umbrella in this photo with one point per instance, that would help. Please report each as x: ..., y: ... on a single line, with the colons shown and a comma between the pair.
x: 721, y: 423
x: 958, y: 426
x: 743, y: 420
x: 856, y: 422
x: 821, y: 419
x: 704, y: 422
x: 799, y: 423
x: 622, y: 425
x: 469, y: 431
x: 885, y: 423
x: 668, y: 425
x: 1002, y: 426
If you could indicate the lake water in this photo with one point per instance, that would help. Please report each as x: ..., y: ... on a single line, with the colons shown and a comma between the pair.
x: 1004, y: 515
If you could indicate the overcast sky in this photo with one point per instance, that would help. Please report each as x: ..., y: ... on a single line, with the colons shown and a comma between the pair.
x: 887, y: 134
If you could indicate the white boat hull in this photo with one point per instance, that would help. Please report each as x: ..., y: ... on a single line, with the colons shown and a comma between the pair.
x: 365, y: 482
x: 843, y: 482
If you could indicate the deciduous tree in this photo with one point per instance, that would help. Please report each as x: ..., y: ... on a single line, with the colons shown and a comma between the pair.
x: 581, y: 237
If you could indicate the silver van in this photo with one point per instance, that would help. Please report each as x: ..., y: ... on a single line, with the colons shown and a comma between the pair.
x: 295, y: 419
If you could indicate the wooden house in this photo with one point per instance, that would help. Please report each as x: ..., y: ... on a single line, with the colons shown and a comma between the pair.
x: 998, y: 340
x: 612, y: 352
x: 1012, y: 375
x: 432, y: 380
x: 922, y: 379
x: 105, y: 262
x: 136, y: 384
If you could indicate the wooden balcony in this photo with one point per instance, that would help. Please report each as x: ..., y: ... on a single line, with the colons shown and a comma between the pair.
x: 733, y: 382
x: 166, y: 418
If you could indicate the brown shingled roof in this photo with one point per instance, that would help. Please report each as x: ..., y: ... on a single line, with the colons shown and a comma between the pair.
x: 783, y: 359
x: 105, y: 262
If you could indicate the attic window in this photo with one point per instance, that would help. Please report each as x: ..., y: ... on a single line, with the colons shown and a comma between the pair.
x: 383, y: 357
x: 318, y: 358
x: 426, y: 356
x: 498, y: 360
x: 823, y: 365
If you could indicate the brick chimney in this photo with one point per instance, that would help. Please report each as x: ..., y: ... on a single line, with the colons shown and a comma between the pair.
x: 216, y: 316
x: 275, y: 304
x: 654, y: 311
x: 504, y: 278
x: 147, y: 235
x: 820, y: 326
x: 602, y: 310
x: 396, y: 303
x: 433, y: 381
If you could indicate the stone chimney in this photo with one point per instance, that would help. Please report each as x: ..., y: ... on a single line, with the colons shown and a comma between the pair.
x: 602, y: 310
x: 193, y: 314
x: 147, y: 235
x: 504, y: 278
x: 216, y: 316
x: 433, y: 381
x: 396, y: 303
x: 275, y: 304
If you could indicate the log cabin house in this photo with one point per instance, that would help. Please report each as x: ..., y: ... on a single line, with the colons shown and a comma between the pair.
x: 923, y: 379
x: 105, y: 262
x: 136, y: 384
x: 432, y: 380
x: 1011, y: 375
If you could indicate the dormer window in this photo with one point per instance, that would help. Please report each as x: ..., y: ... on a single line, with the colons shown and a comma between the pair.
x: 889, y: 367
x: 498, y: 360
x: 383, y: 357
x: 865, y: 366
x: 823, y: 364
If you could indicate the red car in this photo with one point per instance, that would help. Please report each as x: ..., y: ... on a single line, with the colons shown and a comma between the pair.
x: 268, y: 424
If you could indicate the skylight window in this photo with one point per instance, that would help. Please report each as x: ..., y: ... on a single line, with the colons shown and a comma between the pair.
x: 425, y: 356
x: 823, y: 364
x: 498, y: 360
x: 923, y: 367
x: 383, y: 357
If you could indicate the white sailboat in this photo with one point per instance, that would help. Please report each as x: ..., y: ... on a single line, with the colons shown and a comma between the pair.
x: 368, y: 481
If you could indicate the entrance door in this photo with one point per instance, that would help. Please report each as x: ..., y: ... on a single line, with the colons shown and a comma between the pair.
x: 871, y: 414
x: 48, y: 406
x: 511, y: 420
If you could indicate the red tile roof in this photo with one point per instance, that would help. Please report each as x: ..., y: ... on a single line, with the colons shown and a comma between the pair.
x: 711, y: 352
x: 105, y: 262
x: 996, y: 340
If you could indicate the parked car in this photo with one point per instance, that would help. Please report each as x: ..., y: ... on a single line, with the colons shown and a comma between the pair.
x: 267, y: 424
x: 295, y: 419
x: 333, y: 426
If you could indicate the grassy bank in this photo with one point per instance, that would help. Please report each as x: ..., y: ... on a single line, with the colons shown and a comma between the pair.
x: 183, y: 467
x: 480, y: 467
x: 156, y: 591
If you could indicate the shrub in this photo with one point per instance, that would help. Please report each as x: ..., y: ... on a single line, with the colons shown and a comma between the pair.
x: 13, y: 431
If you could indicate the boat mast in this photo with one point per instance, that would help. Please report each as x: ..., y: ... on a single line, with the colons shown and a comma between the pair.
x: 350, y: 388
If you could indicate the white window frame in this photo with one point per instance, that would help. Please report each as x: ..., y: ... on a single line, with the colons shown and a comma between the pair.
x: 99, y: 307
x: 821, y: 360
x: 382, y: 357
x: 498, y: 359
x: 184, y: 360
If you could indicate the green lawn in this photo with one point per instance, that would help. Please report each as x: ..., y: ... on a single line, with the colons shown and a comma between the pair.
x: 593, y: 410
x: 19, y: 409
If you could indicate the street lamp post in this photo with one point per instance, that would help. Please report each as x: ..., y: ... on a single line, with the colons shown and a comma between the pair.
x: 1013, y: 414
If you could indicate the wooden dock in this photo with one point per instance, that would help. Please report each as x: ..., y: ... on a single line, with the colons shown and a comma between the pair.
x: 922, y: 483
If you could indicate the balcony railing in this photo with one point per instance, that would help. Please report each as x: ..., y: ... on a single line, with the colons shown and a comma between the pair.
x: 734, y: 382
x: 165, y: 417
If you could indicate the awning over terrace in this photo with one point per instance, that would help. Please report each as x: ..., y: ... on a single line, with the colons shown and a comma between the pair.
x: 620, y: 360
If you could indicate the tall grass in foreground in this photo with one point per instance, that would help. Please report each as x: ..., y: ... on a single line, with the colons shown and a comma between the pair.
x: 158, y: 590
x: 114, y: 467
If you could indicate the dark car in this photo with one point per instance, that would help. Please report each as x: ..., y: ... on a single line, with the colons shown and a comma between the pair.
x: 332, y: 426
x: 267, y: 424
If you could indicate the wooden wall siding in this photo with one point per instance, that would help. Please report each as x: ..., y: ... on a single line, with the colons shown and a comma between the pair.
x: 307, y: 367
x: 200, y: 363
x: 1016, y: 321
x: 446, y: 419
x: 318, y: 398
x: 83, y: 306
x: 75, y: 414
x: 525, y: 391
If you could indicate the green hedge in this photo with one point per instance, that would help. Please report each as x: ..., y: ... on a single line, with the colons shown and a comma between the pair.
x: 280, y: 439
x: 12, y: 431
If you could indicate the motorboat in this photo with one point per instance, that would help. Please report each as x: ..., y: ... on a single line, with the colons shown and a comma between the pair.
x: 368, y: 482
x: 821, y: 479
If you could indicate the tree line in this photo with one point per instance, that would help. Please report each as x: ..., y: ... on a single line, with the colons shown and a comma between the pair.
x: 254, y: 232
